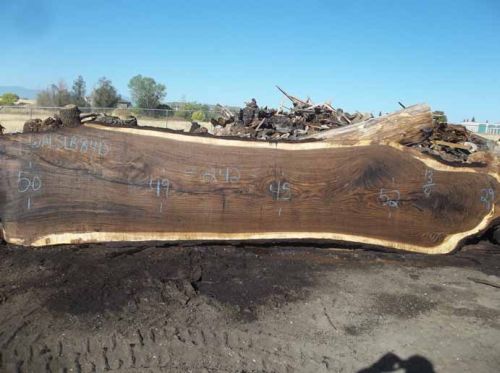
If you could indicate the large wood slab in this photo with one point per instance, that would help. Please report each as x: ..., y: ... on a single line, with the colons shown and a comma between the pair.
x: 96, y: 183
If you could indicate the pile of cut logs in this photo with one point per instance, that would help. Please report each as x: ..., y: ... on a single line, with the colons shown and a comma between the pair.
x: 109, y: 120
x: 452, y: 143
x: 70, y: 116
x: 305, y: 118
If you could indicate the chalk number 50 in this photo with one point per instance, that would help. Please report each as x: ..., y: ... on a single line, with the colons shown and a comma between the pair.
x: 24, y: 182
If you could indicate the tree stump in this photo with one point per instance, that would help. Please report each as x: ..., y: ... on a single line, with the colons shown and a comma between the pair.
x: 70, y: 116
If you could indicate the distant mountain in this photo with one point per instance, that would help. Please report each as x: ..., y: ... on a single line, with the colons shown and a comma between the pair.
x: 20, y: 91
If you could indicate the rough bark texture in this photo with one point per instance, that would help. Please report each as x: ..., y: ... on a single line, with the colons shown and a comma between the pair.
x: 96, y: 183
x: 38, y: 125
x: 70, y: 116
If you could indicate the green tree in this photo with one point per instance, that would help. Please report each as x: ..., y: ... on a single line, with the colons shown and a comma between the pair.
x: 145, y: 92
x: 8, y: 99
x: 105, y: 95
x: 55, y: 95
x: 78, y: 92
x: 198, y: 116
x: 44, y: 98
x: 186, y: 110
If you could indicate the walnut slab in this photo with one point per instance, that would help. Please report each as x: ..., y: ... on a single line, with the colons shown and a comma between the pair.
x: 96, y: 184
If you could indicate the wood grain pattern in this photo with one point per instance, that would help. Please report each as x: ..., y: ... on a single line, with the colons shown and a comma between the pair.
x: 401, y: 126
x: 96, y: 183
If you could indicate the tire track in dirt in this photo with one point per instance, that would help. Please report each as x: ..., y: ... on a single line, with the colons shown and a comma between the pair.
x: 164, y: 349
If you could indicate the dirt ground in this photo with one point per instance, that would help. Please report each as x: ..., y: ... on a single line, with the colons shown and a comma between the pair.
x: 247, y: 308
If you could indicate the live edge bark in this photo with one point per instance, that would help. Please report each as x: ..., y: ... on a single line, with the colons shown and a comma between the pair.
x: 95, y: 183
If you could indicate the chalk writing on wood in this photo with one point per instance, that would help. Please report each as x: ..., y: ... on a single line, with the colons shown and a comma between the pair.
x: 389, y: 198
x: 27, y: 183
x: 161, y: 187
x: 78, y: 144
x: 487, y: 197
x: 209, y: 176
x: 229, y: 174
x: 214, y: 175
x: 428, y: 183
x: 280, y: 190
x: 158, y: 186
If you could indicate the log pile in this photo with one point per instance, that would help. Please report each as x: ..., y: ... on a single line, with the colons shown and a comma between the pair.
x: 39, y: 125
x: 197, y: 129
x: 70, y: 116
x: 305, y: 118
x: 452, y: 143
x: 109, y: 120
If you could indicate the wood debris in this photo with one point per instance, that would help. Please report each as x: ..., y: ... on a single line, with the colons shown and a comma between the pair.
x: 305, y: 118
x: 196, y: 128
x: 71, y: 118
x: 109, y: 120
x: 38, y: 125
x: 452, y: 143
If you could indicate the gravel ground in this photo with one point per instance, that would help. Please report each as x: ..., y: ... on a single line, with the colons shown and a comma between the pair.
x: 162, y: 308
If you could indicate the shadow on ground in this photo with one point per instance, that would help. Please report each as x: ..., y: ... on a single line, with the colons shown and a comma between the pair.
x: 391, y: 363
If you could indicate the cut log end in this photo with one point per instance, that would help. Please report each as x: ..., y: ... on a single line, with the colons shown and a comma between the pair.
x: 70, y: 116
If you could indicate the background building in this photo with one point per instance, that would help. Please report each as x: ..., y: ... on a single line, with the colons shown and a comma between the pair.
x: 483, y: 128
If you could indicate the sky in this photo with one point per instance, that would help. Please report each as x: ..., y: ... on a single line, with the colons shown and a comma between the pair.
x: 361, y: 55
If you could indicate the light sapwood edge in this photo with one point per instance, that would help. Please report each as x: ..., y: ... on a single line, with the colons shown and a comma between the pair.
x: 438, y: 166
x: 241, y: 143
x: 448, y: 245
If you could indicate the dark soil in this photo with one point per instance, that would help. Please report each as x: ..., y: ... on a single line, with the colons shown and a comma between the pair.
x: 162, y: 308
